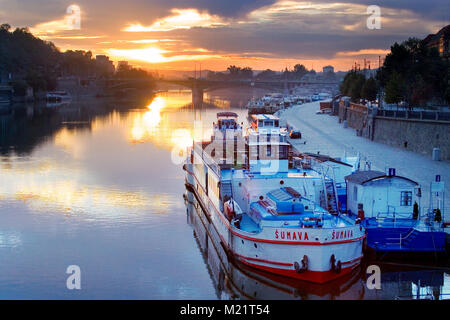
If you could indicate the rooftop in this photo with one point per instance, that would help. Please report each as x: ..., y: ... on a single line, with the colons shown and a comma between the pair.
x: 361, y: 177
x: 227, y: 115
x: 264, y: 117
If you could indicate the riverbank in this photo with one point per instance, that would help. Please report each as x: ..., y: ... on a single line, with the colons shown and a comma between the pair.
x: 323, y: 133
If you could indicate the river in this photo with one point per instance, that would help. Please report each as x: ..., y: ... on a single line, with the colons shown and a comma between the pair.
x: 100, y: 185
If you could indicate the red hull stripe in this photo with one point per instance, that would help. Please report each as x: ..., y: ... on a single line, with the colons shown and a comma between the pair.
x: 264, y: 261
x: 352, y: 261
x: 287, y: 264
x: 312, y: 276
x: 227, y: 224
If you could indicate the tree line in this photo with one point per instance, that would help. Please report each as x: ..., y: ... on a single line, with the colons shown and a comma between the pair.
x: 412, y: 73
x: 37, y: 63
x: 247, y: 73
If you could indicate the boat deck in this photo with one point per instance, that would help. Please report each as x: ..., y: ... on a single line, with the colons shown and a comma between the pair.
x: 248, y: 225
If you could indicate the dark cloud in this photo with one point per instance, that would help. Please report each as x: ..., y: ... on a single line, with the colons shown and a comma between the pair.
x: 287, y: 35
x: 428, y: 9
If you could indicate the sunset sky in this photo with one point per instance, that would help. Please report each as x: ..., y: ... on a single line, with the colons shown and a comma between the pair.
x: 182, y: 34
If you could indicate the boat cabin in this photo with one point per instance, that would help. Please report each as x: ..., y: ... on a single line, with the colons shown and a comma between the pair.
x: 265, y: 123
x: 268, y: 149
x: 227, y: 120
x: 380, y: 195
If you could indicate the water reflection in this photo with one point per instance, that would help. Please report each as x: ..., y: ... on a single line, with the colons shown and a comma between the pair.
x: 234, y: 280
x: 93, y: 183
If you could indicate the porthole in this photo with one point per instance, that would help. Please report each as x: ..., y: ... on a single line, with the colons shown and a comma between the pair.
x: 261, y: 197
x: 281, y: 182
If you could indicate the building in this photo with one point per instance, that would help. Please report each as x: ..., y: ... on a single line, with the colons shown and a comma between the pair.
x: 440, y: 41
x: 380, y: 194
x: 328, y: 69
x: 104, y: 65
x: 123, y: 65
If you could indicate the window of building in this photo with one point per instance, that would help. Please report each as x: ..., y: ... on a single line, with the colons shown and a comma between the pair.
x: 406, y: 198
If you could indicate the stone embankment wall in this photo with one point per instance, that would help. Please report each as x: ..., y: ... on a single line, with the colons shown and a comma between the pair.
x: 416, y: 131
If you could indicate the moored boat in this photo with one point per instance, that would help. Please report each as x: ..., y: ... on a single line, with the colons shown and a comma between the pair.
x: 388, y: 207
x: 58, y: 96
x: 267, y: 212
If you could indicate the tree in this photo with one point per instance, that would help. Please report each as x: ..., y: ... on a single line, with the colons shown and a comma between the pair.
x: 422, y: 72
x: 356, y: 87
x: 234, y: 71
x: 266, y: 74
x: 300, y: 71
x: 352, y: 85
x: 369, y: 90
x: 246, y: 73
x: 395, y: 89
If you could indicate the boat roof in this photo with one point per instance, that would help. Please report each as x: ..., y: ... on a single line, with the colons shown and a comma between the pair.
x: 324, y: 158
x: 362, y: 177
x: 227, y: 114
x: 264, y: 117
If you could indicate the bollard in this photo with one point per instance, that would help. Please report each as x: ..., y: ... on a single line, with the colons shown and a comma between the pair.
x: 436, y: 155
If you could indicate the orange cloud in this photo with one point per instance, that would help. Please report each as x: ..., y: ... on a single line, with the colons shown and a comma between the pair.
x: 180, y: 19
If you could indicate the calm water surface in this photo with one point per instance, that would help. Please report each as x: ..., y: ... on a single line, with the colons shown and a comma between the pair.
x: 98, y: 185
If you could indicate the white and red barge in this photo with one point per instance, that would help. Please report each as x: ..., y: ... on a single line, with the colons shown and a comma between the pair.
x: 267, y: 213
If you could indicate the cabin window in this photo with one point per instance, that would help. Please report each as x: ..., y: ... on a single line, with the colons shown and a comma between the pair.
x: 260, y: 123
x: 284, y: 152
x: 276, y: 123
x: 268, y: 123
x: 406, y: 198
x: 355, y: 193
x: 269, y: 150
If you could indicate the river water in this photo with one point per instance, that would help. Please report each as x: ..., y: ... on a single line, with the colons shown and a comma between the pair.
x: 100, y: 185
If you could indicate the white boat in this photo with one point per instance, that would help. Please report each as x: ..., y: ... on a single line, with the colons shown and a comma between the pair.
x: 58, y: 96
x: 269, y: 214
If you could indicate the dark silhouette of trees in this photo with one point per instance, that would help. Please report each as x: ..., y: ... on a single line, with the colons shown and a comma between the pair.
x: 28, y: 58
x: 299, y: 71
x: 414, y: 73
x: 238, y: 73
x: 356, y: 86
x: 38, y: 63
x: 395, y: 89
x: 266, y: 75
x: 128, y: 72
x: 369, y: 89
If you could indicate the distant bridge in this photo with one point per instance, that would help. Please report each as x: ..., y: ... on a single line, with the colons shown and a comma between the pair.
x: 199, y: 86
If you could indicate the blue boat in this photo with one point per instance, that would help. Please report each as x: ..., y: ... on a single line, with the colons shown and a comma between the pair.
x: 385, y: 206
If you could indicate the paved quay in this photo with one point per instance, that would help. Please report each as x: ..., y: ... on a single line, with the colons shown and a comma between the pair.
x: 323, y: 133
